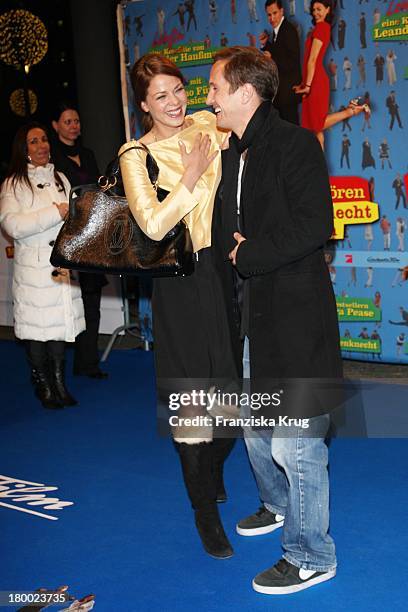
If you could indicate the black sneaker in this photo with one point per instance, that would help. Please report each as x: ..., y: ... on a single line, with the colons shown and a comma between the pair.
x: 284, y: 578
x: 263, y: 521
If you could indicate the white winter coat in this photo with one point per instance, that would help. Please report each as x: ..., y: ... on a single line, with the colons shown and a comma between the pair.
x: 45, y: 307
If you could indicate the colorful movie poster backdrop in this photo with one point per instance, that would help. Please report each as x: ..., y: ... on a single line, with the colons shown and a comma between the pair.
x: 366, y: 155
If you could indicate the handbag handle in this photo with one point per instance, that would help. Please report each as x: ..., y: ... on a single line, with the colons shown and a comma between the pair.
x: 112, y: 174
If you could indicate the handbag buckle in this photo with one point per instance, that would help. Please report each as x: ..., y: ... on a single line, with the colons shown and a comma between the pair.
x: 108, y: 184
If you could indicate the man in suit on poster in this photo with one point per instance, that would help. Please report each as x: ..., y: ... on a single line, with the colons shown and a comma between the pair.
x: 272, y: 217
x: 284, y: 49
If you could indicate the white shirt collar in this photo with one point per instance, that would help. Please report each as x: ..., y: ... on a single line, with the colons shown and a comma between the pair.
x: 276, y: 30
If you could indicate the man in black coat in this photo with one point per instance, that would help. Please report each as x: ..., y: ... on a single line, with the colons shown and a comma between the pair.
x: 268, y: 243
x: 284, y: 49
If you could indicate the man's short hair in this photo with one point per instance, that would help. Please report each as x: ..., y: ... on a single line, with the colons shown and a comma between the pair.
x: 248, y: 65
x: 278, y: 2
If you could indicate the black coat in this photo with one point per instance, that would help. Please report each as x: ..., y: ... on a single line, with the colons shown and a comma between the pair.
x: 87, y: 172
x: 287, y: 218
x: 285, y: 52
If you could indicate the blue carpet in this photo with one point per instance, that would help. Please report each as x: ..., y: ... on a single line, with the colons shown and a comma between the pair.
x: 129, y: 536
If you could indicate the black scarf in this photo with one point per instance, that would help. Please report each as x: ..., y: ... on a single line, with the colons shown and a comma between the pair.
x: 254, y: 126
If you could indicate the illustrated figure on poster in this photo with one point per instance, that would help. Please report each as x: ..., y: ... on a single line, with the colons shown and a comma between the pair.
x: 361, y: 71
x: 346, y: 238
x: 341, y: 34
x: 404, y: 317
x: 306, y: 6
x: 398, y: 278
x: 368, y: 159
x: 212, y: 5
x: 366, y: 116
x: 401, y: 227
x: 161, y: 17
x: 252, y: 42
x: 400, y: 343
x: 223, y: 40
x: 127, y: 25
x: 181, y: 11
x: 371, y: 188
x: 234, y: 11
x: 253, y: 15
x: 363, y: 31
x: 361, y: 1
x: 189, y: 4
x: 368, y: 235
x: 347, y: 333
x: 391, y: 73
x: 347, y: 66
x: 138, y: 23
x: 315, y: 88
x: 345, y: 147
x: 364, y: 334
x: 284, y: 48
x: 370, y: 275
x: 376, y: 16
x: 292, y: 7
x: 379, y: 62
x: 328, y: 257
x: 345, y: 121
x: 377, y: 299
x: 385, y: 226
x: 353, y: 277
x: 207, y: 41
x: 376, y: 336
x: 332, y: 68
x: 384, y: 151
x: 398, y: 186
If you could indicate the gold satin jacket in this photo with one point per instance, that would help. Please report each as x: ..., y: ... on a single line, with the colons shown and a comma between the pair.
x: 157, y: 218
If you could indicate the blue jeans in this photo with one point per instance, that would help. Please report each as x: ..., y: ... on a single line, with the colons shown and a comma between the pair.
x: 290, y: 467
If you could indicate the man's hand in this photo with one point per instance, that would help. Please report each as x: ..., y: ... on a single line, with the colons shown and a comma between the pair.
x: 233, y: 255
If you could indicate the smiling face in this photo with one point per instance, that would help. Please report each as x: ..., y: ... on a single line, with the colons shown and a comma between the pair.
x: 320, y: 12
x: 166, y: 101
x: 68, y: 126
x: 38, y: 147
x: 227, y: 106
x: 274, y: 14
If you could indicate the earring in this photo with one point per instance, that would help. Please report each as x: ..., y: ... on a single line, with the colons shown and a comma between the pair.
x: 29, y: 158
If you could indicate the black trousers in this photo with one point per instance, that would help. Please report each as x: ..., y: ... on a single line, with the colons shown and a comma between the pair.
x: 86, y: 356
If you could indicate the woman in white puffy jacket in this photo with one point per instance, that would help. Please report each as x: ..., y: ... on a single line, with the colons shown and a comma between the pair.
x: 48, y: 309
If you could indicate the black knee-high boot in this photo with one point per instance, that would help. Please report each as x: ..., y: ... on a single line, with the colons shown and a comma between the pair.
x: 41, y: 378
x: 58, y: 370
x: 221, y: 449
x: 56, y: 357
x: 197, y: 465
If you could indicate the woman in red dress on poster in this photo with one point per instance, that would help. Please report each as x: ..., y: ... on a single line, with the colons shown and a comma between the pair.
x: 315, y: 88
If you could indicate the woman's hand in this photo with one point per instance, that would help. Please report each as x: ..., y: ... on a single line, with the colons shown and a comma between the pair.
x: 63, y: 208
x: 303, y: 90
x: 197, y: 161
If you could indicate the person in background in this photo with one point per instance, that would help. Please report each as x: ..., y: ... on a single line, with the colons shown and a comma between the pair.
x: 284, y: 49
x: 47, y: 308
x: 79, y: 166
x: 315, y: 88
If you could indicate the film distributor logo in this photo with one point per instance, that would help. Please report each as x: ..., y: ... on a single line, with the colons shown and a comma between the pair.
x: 26, y: 496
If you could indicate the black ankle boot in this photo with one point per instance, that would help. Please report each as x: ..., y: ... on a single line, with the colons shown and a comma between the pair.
x: 44, y: 389
x: 221, y: 449
x: 58, y: 371
x: 197, y: 465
